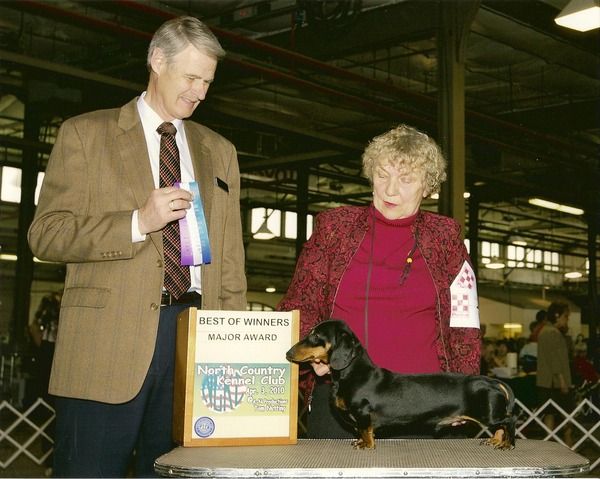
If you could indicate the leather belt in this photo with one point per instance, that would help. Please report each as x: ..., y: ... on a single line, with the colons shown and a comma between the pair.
x: 191, y: 297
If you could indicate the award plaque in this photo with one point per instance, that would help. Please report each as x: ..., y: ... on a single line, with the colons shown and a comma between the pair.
x: 233, y: 384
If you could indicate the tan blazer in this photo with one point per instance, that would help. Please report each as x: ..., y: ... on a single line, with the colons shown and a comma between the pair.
x: 98, y: 173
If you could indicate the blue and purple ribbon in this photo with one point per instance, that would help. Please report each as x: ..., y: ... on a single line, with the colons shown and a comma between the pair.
x: 195, y: 247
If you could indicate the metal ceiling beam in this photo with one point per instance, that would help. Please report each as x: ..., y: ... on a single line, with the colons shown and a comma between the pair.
x: 540, y: 16
x: 288, y: 161
x: 305, y: 61
x: 67, y: 70
x: 227, y: 109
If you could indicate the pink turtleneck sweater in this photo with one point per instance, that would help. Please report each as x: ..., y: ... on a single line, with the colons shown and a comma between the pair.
x: 401, y: 317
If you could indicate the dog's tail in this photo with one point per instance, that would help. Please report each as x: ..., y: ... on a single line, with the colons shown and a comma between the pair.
x: 511, y: 418
x: 510, y: 396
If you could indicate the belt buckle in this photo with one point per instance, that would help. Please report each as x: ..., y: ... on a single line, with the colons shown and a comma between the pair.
x: 169, y: 300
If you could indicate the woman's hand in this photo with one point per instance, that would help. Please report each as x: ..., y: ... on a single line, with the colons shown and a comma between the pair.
x: 321, y: 369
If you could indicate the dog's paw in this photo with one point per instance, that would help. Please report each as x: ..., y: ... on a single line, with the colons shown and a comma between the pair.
x: 504, y: 446
x: 496, y: 444
x: 360, y: 444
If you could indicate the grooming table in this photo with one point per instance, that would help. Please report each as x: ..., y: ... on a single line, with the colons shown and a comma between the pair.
x: 405, y: 458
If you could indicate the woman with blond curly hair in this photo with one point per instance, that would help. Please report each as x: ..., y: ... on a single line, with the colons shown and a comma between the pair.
x: 398, y: 275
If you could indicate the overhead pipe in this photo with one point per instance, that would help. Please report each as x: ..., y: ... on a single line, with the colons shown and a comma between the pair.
x: 38, y: 7
x: 82, y: 74
x: 299, y: 59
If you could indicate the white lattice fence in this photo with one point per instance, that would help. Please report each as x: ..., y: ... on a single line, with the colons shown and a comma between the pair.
x: 21, y: 432
x: 585, y: 420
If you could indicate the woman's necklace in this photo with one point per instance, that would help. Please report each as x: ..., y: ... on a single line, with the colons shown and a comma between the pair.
x: 408, y: 263
x: 405, y: 272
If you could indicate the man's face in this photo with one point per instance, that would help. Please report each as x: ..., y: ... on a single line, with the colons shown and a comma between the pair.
x: 180, y: 85
x: 562, y: 322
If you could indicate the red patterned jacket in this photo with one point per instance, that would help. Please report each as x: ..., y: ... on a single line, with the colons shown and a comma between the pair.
x: 325, y: 256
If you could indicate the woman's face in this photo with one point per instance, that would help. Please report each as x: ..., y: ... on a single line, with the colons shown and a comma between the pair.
x: 397, y: 193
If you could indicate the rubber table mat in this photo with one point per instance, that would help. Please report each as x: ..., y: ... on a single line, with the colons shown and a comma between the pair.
x: 406, y: 458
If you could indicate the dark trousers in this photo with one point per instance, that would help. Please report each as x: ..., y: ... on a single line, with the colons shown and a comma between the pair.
x: 95, y: 439
x: 322, y: 421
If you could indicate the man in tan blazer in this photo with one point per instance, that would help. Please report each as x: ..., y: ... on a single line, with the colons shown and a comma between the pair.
x: 102, y: 212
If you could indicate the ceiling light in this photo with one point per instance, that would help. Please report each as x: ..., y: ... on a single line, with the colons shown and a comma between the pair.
x: 555, y: 206
x: 512, y: 326
x: 495, y: 263
x: 517, y: 240
x: 270, y: 289
x: 573, y: 275
x: 580, y: 15
x: 264, y: 233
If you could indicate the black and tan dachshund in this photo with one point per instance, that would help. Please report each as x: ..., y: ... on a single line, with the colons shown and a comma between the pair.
x: 372, y: 398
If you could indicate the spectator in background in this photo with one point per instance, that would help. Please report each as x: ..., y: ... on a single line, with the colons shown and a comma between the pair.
x: 585, y: 376
x: 583, y: 368
x: 554, y: 373
x: 500, y: 356
x: 541, y: 319
x: 488, y: 351
x: 528, y: 353
x: 43, y: 330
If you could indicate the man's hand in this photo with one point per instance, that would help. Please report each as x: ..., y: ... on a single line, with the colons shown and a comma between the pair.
x: 163, y: 206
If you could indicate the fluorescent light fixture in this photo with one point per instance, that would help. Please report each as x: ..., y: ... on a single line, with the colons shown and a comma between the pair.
x: 517, y: 240
x: 495, y: 263
x: 555, y: 206
x: 513, y: 326
x: 14, y: 257
x: 580, y: 15
x: 573, y: 275
x: 436, y: 196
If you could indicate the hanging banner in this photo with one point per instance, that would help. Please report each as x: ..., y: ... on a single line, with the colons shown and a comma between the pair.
x: 233, y: 384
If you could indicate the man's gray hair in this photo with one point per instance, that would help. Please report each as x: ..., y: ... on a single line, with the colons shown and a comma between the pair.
x: 175, y: 35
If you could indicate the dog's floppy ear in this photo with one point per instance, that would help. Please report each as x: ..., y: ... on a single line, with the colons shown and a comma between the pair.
x: 343, y: 351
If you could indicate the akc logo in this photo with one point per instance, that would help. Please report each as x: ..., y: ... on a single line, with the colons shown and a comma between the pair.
x: 204, y: 426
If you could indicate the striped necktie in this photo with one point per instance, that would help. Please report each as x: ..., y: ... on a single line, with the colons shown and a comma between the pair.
x: 177, y: 277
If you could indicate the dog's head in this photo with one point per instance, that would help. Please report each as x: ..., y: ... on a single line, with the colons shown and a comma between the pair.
x: 331, y: 342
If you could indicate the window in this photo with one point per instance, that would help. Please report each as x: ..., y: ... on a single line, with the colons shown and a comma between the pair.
x: 488, y: 251
x: 551, y: 261
x: 288, y: 226
x: 523, y: 257
x: 255, y: 306
x: 11, y: 185
x: 291, y: 225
